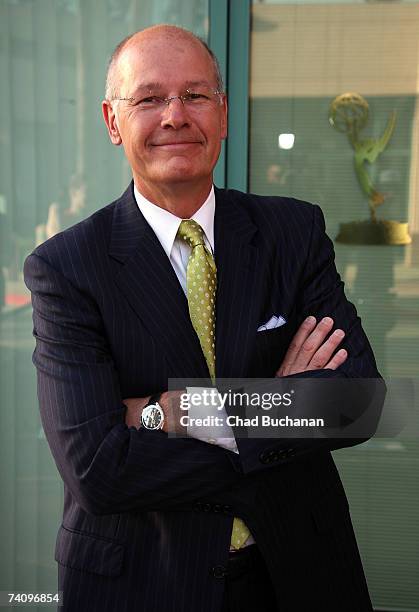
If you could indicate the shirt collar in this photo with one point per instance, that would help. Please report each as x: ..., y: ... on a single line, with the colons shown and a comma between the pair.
x: 165, y: 225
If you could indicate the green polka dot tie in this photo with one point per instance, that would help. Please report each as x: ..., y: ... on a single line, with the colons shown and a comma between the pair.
x: 201, y: 283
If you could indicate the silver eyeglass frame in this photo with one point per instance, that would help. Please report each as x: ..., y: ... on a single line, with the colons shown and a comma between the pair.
x: 167, y: 101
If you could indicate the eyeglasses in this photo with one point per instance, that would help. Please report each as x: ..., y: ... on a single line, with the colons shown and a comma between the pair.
x: 194, y: 100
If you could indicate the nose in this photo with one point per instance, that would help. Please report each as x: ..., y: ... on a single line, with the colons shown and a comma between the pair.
x: 174, y: 114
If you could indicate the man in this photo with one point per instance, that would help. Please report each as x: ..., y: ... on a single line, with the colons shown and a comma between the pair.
x: 152, y: 522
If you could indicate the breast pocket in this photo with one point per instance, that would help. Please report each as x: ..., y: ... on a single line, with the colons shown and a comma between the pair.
x: 270, y: 348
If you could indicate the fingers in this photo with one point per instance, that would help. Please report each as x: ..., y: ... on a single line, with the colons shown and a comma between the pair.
x: 302, y: 334
x: 310, y: 351
x: 337, y: 360
x: 311, y: 344
x: 323, y: 355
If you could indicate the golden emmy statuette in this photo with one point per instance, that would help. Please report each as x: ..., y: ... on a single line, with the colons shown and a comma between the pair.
x: 348, y: 113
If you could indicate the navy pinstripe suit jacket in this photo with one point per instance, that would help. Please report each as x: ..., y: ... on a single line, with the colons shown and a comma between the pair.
x: 147, y: 519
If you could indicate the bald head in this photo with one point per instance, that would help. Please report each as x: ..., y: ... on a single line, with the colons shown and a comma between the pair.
x: 147, y: 37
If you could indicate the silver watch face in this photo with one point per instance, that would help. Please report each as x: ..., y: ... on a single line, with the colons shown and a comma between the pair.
x: 152, y: 417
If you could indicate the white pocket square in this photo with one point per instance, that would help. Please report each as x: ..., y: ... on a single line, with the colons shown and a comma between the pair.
x: 272, y: 323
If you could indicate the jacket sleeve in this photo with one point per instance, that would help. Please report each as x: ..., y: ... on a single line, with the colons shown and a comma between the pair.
x: 108, y: 467
x: 322, y: 294
x: 357, y: 408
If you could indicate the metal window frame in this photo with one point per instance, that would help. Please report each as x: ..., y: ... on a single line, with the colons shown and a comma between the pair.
x: 229, y: 38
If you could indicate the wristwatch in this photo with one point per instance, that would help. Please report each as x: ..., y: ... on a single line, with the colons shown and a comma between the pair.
x: 152, y: 415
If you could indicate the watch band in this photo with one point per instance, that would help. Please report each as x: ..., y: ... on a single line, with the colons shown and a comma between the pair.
x: 154, y: 399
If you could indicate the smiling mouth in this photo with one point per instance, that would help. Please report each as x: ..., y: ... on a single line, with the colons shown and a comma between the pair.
x: 177, y: 144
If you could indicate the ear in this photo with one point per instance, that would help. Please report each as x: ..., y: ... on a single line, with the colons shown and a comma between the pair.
x: 111, y: 123
x: 224, y: 113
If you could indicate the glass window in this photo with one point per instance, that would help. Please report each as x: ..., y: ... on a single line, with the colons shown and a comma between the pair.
x: 357, y: 157
x: 58, y: 166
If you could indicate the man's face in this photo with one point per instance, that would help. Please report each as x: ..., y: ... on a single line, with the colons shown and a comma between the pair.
x: 175, y: 143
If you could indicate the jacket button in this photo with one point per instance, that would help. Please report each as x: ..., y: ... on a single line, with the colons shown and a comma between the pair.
x: 283, y: 454
x: 226, y: 509
x: 198, y: 507
x: 219, y: 571
x: 206, y: 507
x: 264, y: 458
x: 217, y: 508
x: 291, y: 452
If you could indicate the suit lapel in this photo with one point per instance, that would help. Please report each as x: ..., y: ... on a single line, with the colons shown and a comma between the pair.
x: 238, y: 285
x: 150, y: 285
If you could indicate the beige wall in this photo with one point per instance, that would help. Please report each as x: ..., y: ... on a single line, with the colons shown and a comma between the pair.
x: 323, y: 50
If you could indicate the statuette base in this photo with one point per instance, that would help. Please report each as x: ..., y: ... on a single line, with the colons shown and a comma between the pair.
x: 374, y: 232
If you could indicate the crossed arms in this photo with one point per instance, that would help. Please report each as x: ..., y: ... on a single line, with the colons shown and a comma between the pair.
x: 312, y: 348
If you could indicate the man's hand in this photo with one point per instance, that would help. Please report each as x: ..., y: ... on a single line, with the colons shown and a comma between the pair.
x: 309, y: 350
x: 170, y: 403
x: 134, y: 406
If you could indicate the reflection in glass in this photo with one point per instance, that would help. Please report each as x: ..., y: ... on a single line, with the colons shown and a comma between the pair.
x: 303, y: 55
